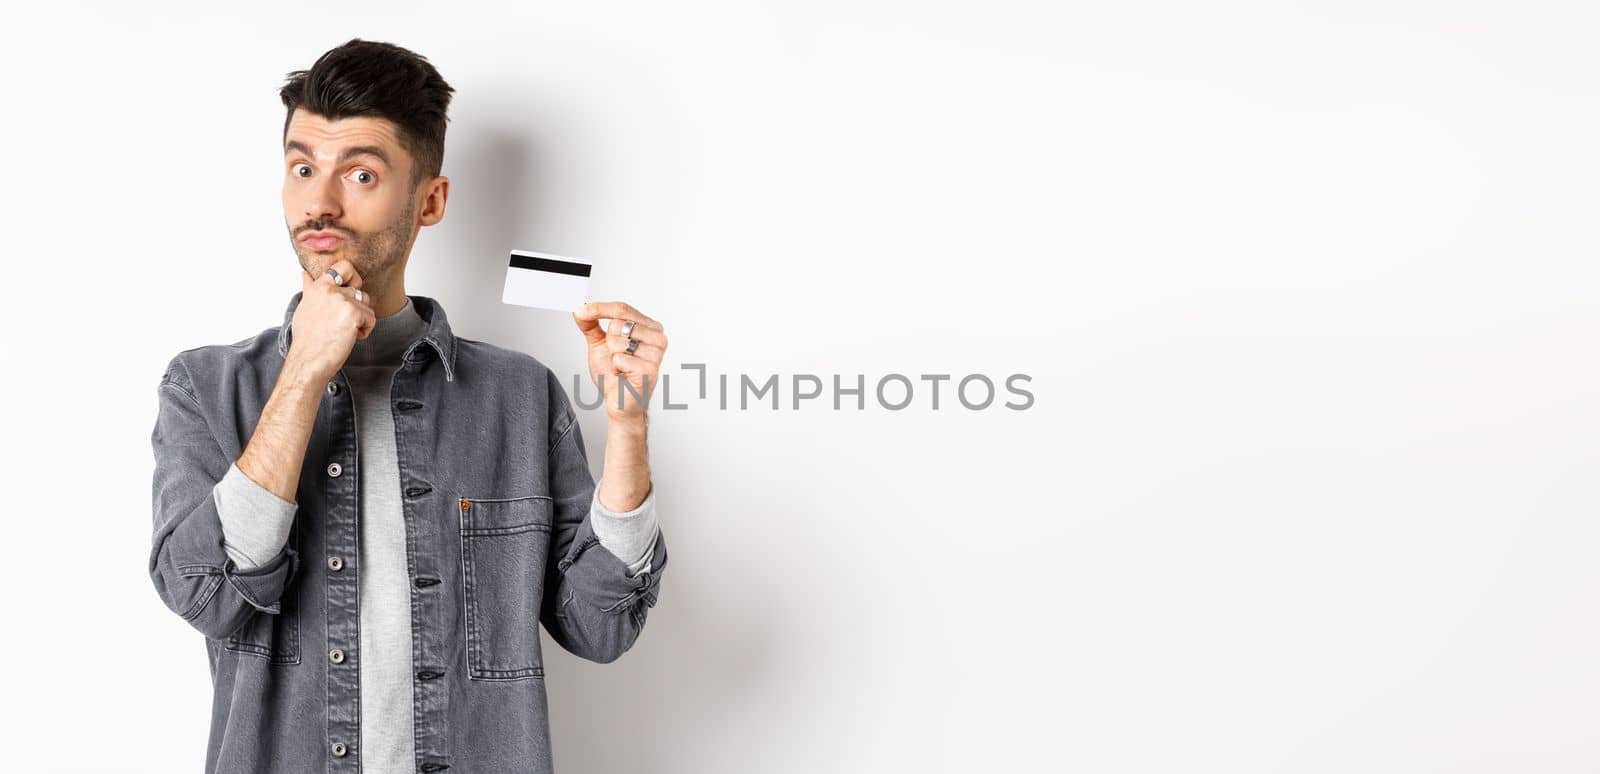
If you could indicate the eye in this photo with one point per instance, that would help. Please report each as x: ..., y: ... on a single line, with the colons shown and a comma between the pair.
x: 295, y: 170
x: 369, y: 175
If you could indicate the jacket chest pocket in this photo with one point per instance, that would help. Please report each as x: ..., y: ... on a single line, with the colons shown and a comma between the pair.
x: 505, y: 546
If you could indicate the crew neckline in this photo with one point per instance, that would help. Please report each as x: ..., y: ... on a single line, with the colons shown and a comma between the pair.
x: 390, y: 338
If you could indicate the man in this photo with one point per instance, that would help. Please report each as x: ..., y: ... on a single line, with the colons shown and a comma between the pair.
x: 368, y: 516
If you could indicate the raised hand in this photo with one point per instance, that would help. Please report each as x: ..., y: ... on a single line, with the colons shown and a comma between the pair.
x: 328, y: 320
x: 610, y: 362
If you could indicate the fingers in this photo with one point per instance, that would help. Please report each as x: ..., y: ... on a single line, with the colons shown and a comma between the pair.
x: 591, y: 329
x: 366, y: 319
x: 656, y: 336
x: 348, y: 275
x: 357, y: 295
x: 364, y: 303
x: 652, y: 342
x: 644, y: 351
x: 631, y: 364
x: 645, y: 329
x: 648, y: 353
x: 369, y: 318
x: 614, y: 310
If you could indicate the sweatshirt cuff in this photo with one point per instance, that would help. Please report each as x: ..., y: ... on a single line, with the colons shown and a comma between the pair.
x: 629, y: 535
x: 255, y: 522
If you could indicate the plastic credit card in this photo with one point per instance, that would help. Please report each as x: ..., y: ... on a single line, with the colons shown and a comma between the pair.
x: 546, y: 281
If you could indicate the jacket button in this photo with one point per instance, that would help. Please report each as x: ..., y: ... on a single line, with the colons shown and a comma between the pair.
x: 336, y: 656
x: 333, y: 388
x: 338, y: 749
x: 335, y: 563
x: 334, y: 469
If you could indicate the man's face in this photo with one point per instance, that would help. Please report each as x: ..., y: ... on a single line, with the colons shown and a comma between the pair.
x: 350, y: 177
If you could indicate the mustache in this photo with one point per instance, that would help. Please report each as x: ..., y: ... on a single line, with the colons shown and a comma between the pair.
x: 316, y: 225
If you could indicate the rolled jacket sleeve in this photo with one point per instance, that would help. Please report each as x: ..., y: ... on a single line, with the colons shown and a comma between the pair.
x: 189, y: 564
x: 593, y: 606
x: 255, y: 522
x: 630, y: 535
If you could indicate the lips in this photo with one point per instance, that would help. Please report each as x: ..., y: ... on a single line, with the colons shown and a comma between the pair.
x: 321, y: 240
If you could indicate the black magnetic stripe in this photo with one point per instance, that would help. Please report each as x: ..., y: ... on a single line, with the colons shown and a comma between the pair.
x: 546, y: 264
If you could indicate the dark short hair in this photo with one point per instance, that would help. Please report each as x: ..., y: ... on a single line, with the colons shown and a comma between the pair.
x: 369, y: 78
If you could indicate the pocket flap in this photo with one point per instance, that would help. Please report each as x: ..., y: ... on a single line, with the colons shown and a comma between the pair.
x: 504, y: 515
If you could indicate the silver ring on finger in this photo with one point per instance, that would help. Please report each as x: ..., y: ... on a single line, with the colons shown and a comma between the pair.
x: 337, y: 280
x: 358, y: 294
x: 633, y: 344
x: 627, y: 329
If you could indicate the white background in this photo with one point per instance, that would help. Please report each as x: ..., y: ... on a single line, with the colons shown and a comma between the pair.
x: 1306, y: 293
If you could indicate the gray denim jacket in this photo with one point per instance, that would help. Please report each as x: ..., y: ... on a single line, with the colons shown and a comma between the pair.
x: 496, y: 495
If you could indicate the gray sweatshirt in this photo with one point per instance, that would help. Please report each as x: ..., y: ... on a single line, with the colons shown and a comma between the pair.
x: 256, y: 523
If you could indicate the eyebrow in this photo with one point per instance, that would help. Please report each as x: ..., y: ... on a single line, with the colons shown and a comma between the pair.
x: 349, y: 153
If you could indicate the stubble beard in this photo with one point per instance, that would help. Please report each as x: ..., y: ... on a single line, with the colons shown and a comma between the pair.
x: 375, y: 254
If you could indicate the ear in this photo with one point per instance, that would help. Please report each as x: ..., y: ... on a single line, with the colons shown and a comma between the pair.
x: 435, y: 193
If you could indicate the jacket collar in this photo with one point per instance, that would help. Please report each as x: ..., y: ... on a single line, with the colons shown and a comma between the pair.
x: 437, y: 335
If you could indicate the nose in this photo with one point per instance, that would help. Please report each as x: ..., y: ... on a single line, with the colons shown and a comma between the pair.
x: 322, y: 200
